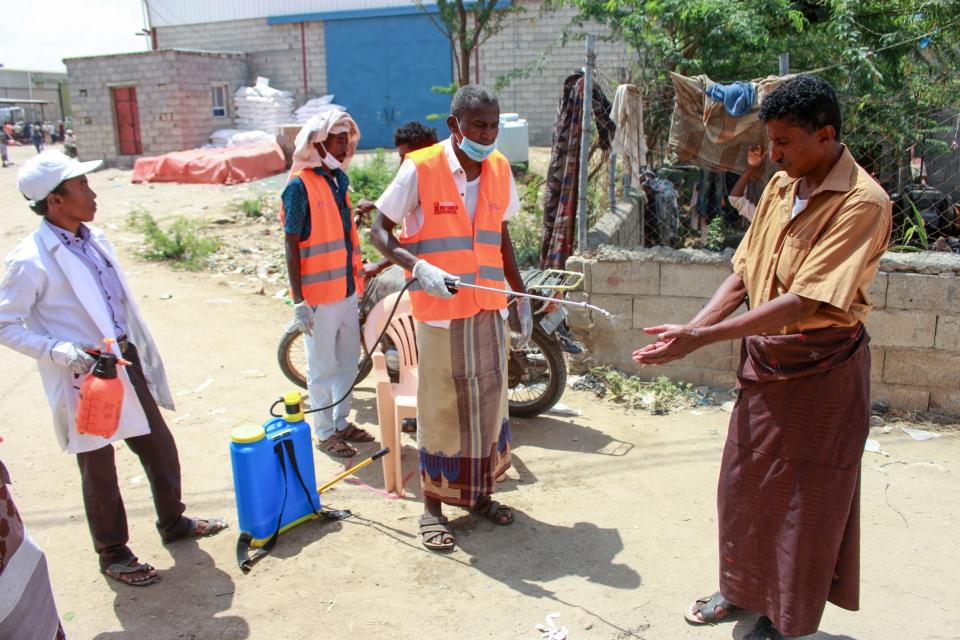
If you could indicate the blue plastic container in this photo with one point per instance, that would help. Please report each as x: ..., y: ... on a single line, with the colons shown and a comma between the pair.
x: 261, y: 487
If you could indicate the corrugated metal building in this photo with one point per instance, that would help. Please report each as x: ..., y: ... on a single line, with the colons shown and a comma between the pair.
x: 44, y: 93
x: 380, y: 58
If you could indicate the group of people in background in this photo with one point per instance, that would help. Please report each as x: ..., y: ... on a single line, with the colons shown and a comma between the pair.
x: 38, y: 134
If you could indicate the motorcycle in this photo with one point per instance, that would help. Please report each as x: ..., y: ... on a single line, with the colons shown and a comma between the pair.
x: 536, y: 373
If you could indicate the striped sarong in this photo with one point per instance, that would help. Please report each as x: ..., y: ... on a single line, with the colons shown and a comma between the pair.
x: 27, y: 609
x: 463, y: 428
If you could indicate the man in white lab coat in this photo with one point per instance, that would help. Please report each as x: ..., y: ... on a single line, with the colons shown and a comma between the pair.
x: 63, y: 292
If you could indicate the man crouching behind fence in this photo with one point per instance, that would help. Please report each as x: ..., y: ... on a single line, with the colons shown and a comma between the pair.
x: 789, y: 490
x: 454, y: 199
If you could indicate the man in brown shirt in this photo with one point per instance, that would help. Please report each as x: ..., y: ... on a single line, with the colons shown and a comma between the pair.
x: 788, y: 495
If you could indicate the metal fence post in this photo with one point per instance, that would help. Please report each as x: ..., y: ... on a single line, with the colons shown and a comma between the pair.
x: 585, y: 149
x: 784, y: 63
x: 612, y: 182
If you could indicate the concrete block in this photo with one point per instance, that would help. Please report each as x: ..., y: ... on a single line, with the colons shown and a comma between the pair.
x: 948, y: 333
x: 620, y: 306
x: 878, y: 290
x: 903, y: 397
x: 642, y: 278
x: 614, y: 348
x: 650, y: 311
x: 579, y: 318
x: 945, y: 400
x: 876, y: 363
x: 580, y: 265
x: 691, y: 279
x: 921, y: 367
x: 898, y: 328
x: 918, y: 291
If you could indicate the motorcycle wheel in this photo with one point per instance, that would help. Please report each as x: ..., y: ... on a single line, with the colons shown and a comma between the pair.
x: 292, y: 357
x: 536, y: 376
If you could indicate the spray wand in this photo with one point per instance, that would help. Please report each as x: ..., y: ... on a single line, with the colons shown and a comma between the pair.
x: 455, y: 283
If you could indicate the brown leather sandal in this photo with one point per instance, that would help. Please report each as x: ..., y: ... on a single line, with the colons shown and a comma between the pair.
x: 133, y: 573
x: 489, y: 509
x: 712, y: 609
x: 435, y: 534
x: 336, y: 447
x: 353, y: 433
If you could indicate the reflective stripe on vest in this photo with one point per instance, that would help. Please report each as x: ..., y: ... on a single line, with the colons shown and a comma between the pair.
x: 448, y: 240
x: 323, y: 255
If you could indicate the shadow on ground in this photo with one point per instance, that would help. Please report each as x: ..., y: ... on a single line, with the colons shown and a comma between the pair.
x: 193, y: 589
x: 746, y: 623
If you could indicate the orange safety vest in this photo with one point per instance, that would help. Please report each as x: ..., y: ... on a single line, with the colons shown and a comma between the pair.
x: 323, y: 255
x: 449, y: 241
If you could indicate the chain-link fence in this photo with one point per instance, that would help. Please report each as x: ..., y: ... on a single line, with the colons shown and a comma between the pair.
x: 911, y: 148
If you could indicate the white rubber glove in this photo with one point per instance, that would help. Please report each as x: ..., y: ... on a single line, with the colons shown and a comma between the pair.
x: 72, y: 356
x: 526, y: 322
x: 303, y: 317
x: 431, y: 279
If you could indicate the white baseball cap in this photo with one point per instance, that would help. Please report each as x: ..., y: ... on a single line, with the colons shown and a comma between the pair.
x: 42, y: 173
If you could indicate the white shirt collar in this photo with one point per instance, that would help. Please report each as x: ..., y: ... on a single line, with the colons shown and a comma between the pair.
x: 452, y: 159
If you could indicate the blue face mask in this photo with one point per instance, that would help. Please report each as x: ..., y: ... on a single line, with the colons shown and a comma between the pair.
x: 474, y: 150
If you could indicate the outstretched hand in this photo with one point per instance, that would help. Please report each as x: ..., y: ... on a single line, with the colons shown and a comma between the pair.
x: 674, y: 341
x: 754, y: 157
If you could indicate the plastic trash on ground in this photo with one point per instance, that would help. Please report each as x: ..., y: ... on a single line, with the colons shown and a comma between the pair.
x: 550, y: 630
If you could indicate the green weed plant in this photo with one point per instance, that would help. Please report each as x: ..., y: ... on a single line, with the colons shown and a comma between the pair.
x: 657, y: 396
x: 258, y: 206
x: 183, y: 243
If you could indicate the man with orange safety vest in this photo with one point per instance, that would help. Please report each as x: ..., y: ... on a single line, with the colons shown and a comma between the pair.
x: 453, y: 200
x: 323, y: 263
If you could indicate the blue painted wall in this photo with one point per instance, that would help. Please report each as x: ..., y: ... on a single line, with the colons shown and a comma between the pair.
x: 382, y: 68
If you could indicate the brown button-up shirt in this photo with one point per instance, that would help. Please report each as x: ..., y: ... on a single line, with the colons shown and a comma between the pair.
x: 829, y: 252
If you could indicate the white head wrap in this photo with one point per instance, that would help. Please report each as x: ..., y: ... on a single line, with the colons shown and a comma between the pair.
x: 319, y: 128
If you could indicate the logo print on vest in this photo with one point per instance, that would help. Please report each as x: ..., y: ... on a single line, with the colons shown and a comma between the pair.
x: 444, y: 208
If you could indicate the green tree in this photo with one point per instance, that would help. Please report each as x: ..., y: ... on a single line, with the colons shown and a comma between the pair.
x: 467, y: 25
x: 893, y: 62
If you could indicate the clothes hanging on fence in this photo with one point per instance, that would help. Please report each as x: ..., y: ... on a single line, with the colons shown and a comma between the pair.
x: 704, y: 134
x: 737, y: 98
x: 629, y: 141
x: 663, y: 226
x: 560, y: 198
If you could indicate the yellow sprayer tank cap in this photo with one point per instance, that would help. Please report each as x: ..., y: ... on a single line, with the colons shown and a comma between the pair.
x: 247, y: 433
x: 292, y: 406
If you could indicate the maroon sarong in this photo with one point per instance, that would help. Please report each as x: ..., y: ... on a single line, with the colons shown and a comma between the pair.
x: 789, y: 489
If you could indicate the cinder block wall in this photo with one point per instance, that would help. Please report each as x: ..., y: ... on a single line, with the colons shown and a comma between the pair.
x: 196, y: 74
x: 275, y: 51
x: 914, y: 325
x: 173, y: 98
x: 524, y: 41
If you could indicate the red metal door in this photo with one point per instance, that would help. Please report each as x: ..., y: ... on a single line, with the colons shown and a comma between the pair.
x: 128, y: 120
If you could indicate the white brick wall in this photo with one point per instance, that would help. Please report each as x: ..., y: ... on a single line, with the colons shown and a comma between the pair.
x: 914, y: 325
x: 275, y: 51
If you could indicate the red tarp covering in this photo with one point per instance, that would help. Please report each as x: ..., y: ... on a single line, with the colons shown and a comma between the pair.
x: 212, y: 166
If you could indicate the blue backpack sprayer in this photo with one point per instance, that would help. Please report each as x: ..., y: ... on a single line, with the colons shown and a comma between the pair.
x: 274, y: 480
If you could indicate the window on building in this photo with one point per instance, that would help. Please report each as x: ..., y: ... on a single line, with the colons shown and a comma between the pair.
x: 220, y: 101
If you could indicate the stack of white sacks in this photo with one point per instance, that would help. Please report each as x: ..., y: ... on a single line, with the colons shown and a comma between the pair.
x: 316, y: 106
x: 262, y: 107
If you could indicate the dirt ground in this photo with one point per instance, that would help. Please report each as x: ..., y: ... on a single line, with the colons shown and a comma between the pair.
x: 616, y: 518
